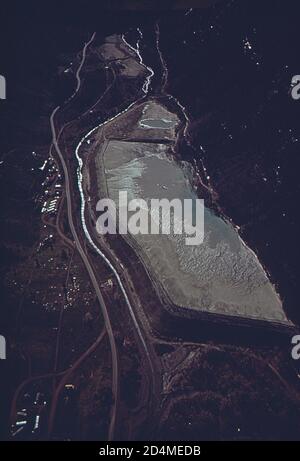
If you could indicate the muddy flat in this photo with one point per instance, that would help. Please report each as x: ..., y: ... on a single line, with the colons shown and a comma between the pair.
x: 221, y: 275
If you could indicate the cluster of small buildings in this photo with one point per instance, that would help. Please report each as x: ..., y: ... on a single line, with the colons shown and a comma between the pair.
x: 29, y: 418
x: 50, y: 206
x: 53, y: 187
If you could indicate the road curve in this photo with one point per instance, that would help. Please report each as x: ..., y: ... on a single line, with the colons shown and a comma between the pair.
x: 84, y: 256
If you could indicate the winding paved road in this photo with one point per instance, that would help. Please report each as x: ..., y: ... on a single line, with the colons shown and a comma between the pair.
x: 83, y: 254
